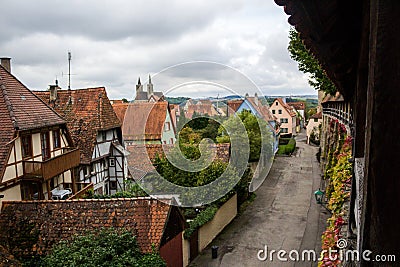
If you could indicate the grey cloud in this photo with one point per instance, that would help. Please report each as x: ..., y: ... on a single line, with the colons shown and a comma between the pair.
x: 110, y: 20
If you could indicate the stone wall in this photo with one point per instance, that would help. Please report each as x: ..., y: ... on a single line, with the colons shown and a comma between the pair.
x: 32, y: 227
x: 225, y: 214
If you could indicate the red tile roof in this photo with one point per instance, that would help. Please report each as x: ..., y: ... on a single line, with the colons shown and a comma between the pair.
x: 288, y: 108
x: 20, y: 110
x: 203, y: 107
x: 233, y: 105
x: 86, y: 111
x: 298, y: 105
x: 141, y: 157
x: 144, y: 120
x: 146, y: 217
x: 316, y: 116
x: 263, y: 110
x: 330, y: 98
x: 120, y: 110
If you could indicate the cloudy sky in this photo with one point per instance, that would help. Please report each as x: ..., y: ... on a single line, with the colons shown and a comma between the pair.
x: 114, y: 42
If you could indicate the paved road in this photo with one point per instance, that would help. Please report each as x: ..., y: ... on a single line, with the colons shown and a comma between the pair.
x: 283, y: 216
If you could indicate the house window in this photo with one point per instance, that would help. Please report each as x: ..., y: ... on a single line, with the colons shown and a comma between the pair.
x: 171, y: 140
x: 104, y: 136
x: 284, y: 120
x: 273, y: 111
x: 112, y: 162
x: 26, y: 146
x: 44, y: 137
x: 280, y: 111
x: 284, y: 130
x: 167, y: 126
x: 276, y: 103
x: 56, y: 139
x: 113, y: 185
x: 315, y: 120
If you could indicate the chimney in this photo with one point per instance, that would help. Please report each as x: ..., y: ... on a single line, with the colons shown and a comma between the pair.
x: 256, y: 99
x: 6, y: 63
x: 53, y: 91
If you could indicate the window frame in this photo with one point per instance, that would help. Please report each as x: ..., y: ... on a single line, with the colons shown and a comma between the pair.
x: 45, y: 145
x: 28, y: 146
x: 111, y: 162
x: 167, y: 126
x: 56, y: 139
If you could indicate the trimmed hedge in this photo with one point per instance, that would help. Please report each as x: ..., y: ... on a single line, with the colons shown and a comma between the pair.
x: 291, y: 146
x: 287, y: 148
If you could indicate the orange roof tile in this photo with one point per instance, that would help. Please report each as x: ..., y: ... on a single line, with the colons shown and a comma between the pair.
x: 86, y: 111
x: 330, y: 98
x: 263, y: 110
x: 203, y: 107
x: 316, y: 116
x: 233, y: 105
x: 20, y: 110
x: 146, y: 217
x: 288, y: 108
x: 144, y: 120
x: 298, y: 105
x: 120, y: 110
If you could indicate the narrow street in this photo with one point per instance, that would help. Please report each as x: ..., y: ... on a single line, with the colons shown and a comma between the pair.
x: 284, y: 216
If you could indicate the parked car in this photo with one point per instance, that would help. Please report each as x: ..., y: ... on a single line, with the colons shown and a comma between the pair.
x: 61, y: 194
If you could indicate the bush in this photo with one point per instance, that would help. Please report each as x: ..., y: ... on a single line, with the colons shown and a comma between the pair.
x: 287, y: 148
x: 291, y: 146
x: 204, y: 217
x: 108, y: 247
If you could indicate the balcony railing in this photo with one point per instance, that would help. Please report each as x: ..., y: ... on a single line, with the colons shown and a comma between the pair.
x: 47, y: 169
x: 344, y: 117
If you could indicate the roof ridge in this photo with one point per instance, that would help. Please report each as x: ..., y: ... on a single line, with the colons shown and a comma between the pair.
x: 8, y: 104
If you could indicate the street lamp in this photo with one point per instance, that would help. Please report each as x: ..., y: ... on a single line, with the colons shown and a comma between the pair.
x: 318, y: 196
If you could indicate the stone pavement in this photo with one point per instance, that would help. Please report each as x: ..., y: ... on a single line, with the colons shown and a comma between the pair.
x: 283, y: 216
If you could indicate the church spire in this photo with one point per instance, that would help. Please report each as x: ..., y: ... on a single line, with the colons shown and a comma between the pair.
x: 150, y: 90
x: 139, y: 86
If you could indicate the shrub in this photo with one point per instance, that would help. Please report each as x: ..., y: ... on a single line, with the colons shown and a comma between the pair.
x: 108, y: 247
x: 291, y: 146
x: 204, y: 217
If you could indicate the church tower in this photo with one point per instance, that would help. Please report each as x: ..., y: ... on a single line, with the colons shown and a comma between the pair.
x: 150, y: 90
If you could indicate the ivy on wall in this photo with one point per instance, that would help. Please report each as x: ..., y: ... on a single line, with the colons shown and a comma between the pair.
x: 338, y: 175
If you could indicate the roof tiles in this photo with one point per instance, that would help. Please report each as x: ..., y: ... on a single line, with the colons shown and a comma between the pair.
x: 86, y: 111
x: 20, y: 110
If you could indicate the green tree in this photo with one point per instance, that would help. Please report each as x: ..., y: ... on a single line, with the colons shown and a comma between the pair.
x: 188, y: 136
x: 253, y: 129
x: 108, y: 247
x: 309, y: 64
x: 182, y: 119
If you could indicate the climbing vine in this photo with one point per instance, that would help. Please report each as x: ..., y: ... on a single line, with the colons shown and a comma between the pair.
x: 338, y: 174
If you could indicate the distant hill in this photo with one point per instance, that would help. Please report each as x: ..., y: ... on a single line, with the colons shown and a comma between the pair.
x: 176, y: 100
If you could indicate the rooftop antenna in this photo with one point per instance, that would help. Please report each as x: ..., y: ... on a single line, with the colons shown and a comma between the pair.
x: 69, y: 70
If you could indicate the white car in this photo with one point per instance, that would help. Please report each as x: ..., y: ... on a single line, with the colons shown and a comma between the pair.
x: 61, y: 194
